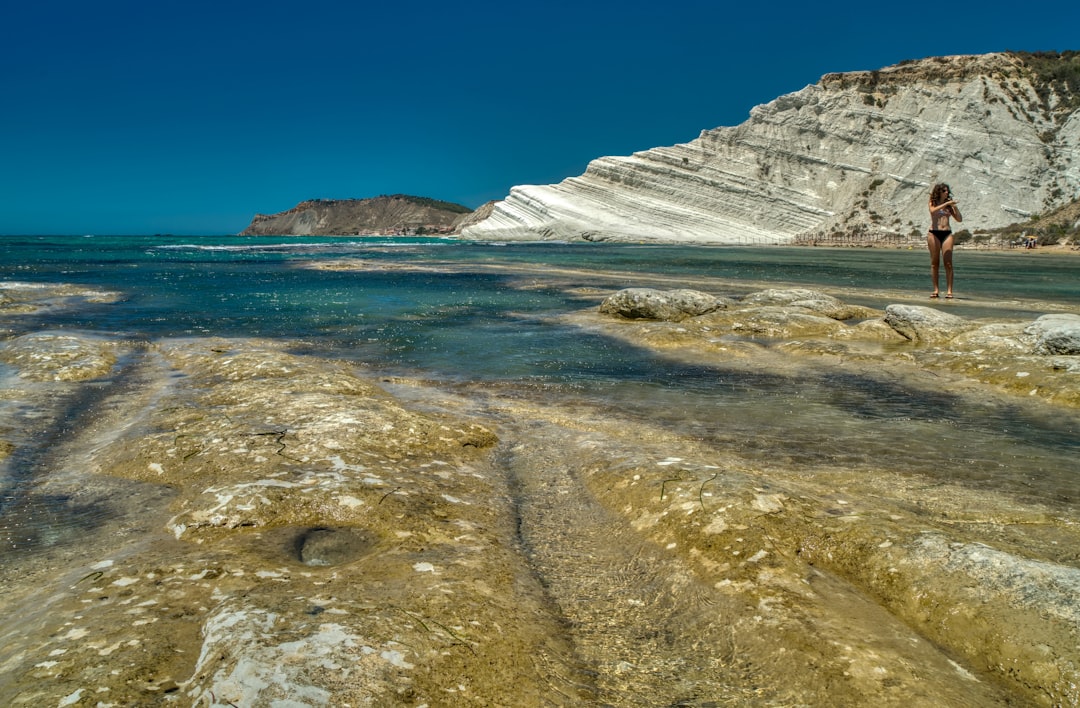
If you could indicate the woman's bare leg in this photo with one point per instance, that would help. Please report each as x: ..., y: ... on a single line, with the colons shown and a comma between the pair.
x: 946, y: 256
x: 935, y: 254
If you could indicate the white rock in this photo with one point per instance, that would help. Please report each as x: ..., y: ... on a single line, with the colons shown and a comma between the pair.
x: 855, y: 151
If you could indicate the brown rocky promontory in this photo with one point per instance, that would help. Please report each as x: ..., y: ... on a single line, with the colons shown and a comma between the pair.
x: 393, y: 215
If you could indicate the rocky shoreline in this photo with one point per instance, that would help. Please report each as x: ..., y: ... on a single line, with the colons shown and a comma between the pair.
x: 1040, y: 358
x: 292, y: 528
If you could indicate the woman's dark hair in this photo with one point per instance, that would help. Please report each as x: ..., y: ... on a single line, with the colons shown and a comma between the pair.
x: 940, y: 193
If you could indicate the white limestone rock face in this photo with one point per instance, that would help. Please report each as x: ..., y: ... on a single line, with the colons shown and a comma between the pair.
x: 855, y: 153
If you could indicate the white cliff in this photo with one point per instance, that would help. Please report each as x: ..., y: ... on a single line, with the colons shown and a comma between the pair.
x: 855, y: 153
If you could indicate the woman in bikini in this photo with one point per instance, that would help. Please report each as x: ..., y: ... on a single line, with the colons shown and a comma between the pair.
x: 940, y: 238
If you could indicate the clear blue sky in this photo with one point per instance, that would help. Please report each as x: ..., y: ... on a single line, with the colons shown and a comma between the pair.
x: 188, y: 117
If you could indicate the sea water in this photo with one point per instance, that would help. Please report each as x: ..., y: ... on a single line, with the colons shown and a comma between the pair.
x: 432, y: 289
x: 476, y: 312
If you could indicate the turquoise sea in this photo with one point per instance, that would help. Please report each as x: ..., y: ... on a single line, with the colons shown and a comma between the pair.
x: 234, y: 286
x: 471, y: 313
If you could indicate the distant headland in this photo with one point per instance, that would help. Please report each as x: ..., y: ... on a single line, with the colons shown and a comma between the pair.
x: 386, y: 215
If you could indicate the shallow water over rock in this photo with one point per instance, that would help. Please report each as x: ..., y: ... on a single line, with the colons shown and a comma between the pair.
x: 722, y: 512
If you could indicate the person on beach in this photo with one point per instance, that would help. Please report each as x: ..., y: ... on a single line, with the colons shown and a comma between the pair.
x: 940, y: 237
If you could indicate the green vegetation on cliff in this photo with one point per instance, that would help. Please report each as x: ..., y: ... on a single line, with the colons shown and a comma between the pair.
x: 1060, y: 226
x: 418, y: 201
x: 1056, y: 73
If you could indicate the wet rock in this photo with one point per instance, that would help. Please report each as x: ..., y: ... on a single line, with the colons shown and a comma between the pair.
x: 48, y: 356
x: 1069, y: 364
x: 669, y: 305
x: 925, y: 324
x: 20, y: 298
x: 1005, y: 356
x: 813, y: 300
x: 989, y: 590
x: 999, y: 337
x: 772, y: 314
x: 332, y: 546
x: 1027, y: 359
x: 328, y: 545
x: 261, y: 438
x: 1056, y: 334
x: 778, y: 542
x: 876, y: 329
x: 1008, y: 614
x: 774, y: 322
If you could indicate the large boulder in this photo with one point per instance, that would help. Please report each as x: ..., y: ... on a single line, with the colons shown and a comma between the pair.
x: 668, y: 305
x: 997, y: 337
x: 814, y: 300
x: 925, y: 324
x: 1056, y: 334
x: 775, y: 322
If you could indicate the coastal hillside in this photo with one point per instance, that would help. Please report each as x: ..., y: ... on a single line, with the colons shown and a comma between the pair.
x: 394, y: 215
x: 852, y: 156
x: 1061, y: 225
